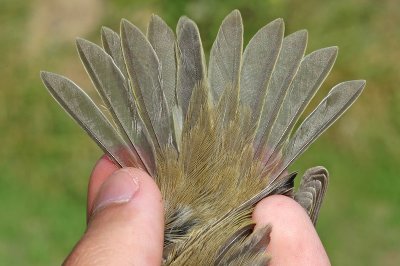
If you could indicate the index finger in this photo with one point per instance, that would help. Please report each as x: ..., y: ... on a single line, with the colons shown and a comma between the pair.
x: 294, y: 240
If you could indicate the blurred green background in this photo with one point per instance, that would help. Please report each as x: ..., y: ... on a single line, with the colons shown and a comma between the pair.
x: 45, y: 158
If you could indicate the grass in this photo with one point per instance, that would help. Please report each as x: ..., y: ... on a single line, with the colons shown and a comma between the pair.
x: 45, y: 159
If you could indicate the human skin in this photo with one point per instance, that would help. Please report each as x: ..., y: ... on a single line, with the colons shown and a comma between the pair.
x: 126, y: 223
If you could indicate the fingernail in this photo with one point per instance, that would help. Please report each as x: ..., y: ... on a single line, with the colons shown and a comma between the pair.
x: 119, y: 188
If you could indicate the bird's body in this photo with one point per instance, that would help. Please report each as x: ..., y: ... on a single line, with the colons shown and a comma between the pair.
x: 216, y: 140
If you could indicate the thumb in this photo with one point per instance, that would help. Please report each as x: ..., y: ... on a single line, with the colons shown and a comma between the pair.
x: 126, y: 224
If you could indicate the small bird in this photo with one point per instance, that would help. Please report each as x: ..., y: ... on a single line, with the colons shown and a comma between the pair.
x: 217, y: 139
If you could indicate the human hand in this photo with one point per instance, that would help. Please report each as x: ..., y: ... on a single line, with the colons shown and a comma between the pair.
x: 125, y: 219
x: 126, y: 223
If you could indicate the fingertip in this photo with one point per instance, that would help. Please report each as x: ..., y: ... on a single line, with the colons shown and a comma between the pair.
x: 282, y: 207
x: 138, y: 224
x: 294, y: 240
x: 127, y: 225
x: 104, y: 166
x: 101, y: 171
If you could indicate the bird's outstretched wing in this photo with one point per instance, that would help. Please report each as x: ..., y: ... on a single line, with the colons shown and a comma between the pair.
x: 216, y: 141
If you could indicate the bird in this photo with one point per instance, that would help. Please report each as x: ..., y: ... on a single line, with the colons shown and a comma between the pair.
x: 217, y: 138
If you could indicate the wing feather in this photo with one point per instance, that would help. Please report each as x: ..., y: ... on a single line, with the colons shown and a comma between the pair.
x: 339, y: 99
x: 312, y: 190
x: 313, y: 70
x: 145, y: 75
x: 111, y: 85
x: 225, y: 56
x: 162, y: 38
x: 287, y: 65
x: 191, y: 61
x: 85, y: 112
x: 112, y: 45
x: 259, y: 59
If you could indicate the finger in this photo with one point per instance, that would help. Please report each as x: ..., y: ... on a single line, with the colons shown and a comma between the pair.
x: 103, y: 169
x: 294, y: 240
x: 126, y: 225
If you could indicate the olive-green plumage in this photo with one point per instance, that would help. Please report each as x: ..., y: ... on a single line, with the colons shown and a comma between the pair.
x: 217, y: 140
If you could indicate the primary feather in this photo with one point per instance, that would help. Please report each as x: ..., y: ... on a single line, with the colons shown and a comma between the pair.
x: 207, y: 136
x: 225, y: 56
